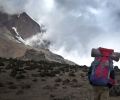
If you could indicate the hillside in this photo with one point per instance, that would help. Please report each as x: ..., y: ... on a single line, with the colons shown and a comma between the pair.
x: 41, y: 80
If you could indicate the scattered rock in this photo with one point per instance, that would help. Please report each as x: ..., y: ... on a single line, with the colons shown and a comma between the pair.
x: 66, y: 81
x: 20, y: 92
x: 71, y: 74
x: 34, y: 80
x: 9, y: 83
x: 1, y: 84
x: 74, y: 80
x: 13, y: 86
x: 25, y: 85
x: 20, y: 77
x: 82, y: 74
x: 57, y: 84
x: 52, y: 96
x: 74, y: 85
x: 49, y: 87
x: 64, y: 87
x: 58, y: 80
x: 43, y: 80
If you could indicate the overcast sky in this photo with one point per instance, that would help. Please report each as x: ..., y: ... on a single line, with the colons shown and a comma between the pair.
x: 74, y: 27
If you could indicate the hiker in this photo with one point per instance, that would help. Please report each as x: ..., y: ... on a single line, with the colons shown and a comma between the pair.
x: 101, y: 74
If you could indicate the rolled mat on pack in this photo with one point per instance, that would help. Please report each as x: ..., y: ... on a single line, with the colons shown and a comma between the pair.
x: 114, y: 55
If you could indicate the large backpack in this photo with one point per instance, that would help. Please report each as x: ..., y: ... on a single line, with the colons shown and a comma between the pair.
x: 101, y: 68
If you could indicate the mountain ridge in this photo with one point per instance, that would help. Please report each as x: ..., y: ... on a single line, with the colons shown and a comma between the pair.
x: 12, y: 47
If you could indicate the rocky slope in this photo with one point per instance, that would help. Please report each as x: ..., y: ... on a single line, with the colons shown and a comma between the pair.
x: 41, y: 80
x: 10, y: 48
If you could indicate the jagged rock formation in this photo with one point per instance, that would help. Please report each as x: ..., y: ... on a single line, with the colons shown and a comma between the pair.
x: 25, y: 26
x: 43, y: 54
x: 22, y: 27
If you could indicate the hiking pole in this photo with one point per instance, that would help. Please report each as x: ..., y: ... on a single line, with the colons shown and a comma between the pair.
x: 115, y: 91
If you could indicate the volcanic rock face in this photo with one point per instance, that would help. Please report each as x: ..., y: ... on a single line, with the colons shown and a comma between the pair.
x: 26, y: 27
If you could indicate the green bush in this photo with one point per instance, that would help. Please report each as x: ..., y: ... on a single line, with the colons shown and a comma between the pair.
x: 2, y: 64
x: 43, y: 74
x: 20, y: 77
x: 13, y: 73
x: 58, y: 80
x: 52, y: 74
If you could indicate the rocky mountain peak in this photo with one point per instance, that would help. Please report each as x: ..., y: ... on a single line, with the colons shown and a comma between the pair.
x: 14, y: 29
x: 25, y: 26
x: 21, y: 27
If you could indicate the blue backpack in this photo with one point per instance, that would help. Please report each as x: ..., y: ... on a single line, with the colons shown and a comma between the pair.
x: 100, y: 72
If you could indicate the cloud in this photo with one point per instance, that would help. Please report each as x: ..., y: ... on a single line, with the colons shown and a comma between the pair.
x: 74, y: 27
x: 12, y: 6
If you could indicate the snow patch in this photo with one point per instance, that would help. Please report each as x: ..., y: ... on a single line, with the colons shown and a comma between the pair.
x: 35, y: 21
x: 43, y: 29
x: 20, y: 40
x: 15, y: 30
x: 18, y: 15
